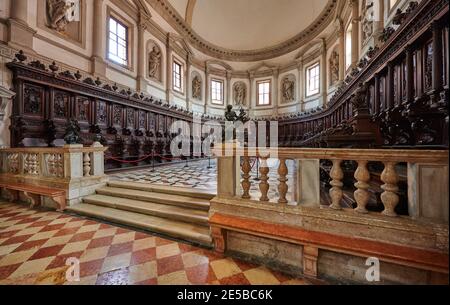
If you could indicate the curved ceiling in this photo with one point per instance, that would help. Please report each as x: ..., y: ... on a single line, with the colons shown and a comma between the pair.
x: 247, y: 30
x: 252, y: 24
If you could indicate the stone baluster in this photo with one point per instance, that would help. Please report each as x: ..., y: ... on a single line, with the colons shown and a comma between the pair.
x: 389, y: 197
x: 361, y: 194
x: 264, y: 185
x: 246, y: 168
x: 336, y: 175
x: 86, y: 165
x: 282, y: 187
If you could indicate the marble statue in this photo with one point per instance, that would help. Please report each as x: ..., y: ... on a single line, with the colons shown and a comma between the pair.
x: 57, y: 13
x: 288, y: 89
x: 239, y: 94
x: 334, y: 67
x: 196, y: 88
x: 154, y: 62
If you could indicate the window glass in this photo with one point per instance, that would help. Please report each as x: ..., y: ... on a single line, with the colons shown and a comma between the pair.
x: 118, y: 44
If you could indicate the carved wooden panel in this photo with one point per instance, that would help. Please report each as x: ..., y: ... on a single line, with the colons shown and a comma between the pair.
x: 151, y: 121
x: 61, y: 102
x: 142, y: 119
x: 101, y: 113
x: 33, y: 97
x: 82, y: 109
x: 117, y: 115
x: 130, y: 117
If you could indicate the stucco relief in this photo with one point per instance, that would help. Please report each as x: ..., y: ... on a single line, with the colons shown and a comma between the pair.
x: 334, y: 67
x: 61, y: 12
x: 239, y: 93
x: 154, y: 61
x: 288, y: 89
x: 196, y: 87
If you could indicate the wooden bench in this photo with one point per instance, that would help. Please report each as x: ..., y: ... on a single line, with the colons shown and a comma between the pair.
x: 34, y: 193
x: 312, y: 241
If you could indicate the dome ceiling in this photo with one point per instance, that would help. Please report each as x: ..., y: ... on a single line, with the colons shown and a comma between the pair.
x: 247, y: 30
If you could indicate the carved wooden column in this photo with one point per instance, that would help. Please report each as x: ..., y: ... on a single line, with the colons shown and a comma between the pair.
x: 99, y: 44
x: 437, y: 62
x: 361, y: 194
x: 282, y: 187
x: 246, y: 168
x: 376, y: 94
x: 389, y: 197
x: 409, y: 74
x: 336, y: 174
x: 264, y: 185
x: 20, y: 34
x: 390, y: 86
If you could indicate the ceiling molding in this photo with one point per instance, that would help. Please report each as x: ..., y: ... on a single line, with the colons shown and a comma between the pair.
x: 170, y: 14
x: 190, y: 11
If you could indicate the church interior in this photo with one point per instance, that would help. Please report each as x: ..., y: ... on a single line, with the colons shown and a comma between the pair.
x: 237, y: 142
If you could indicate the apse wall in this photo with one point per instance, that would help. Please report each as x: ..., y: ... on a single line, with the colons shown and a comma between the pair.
x: 83, y: 46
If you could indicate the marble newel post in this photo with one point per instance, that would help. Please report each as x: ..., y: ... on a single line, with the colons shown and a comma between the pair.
x: 19, y: 32
x: 99, y: 44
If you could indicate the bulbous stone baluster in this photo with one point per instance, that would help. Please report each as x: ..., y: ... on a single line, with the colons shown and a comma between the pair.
x: 264, y: 185
x: 389, y: 197
x: 282, y: 187
x: 362, y: 176
x: 336, y: 175
x: 245, y: 178
x: 86, y: 165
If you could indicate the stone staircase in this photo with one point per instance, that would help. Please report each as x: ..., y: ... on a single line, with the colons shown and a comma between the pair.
x: 172, y: 211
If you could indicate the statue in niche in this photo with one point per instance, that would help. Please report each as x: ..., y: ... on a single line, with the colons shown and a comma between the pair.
x: 334, y: 67
x: 239, y: 94
x: 196, y: 88
x: 288, y: 89
x: 154, y: 61
x: 60, y: 13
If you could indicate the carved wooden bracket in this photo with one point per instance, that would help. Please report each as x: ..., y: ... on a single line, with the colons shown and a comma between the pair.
x: 5, y: 96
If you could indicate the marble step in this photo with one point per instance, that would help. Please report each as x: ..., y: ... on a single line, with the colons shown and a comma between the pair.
x: 174, y: 190
x: 149, y: 208
x: 173, y: 228
x: 162, y: 198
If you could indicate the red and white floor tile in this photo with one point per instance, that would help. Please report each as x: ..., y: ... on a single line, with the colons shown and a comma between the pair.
x: 35, y: 246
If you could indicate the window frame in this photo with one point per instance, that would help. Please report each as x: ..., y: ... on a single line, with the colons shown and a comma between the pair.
x: 180, y: 89
x: 307, y: 78
x: 127, y: 28
x: 222, y: 94
x: 263, y: 81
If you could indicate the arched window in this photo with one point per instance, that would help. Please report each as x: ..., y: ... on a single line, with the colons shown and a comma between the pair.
x: 348, y: 46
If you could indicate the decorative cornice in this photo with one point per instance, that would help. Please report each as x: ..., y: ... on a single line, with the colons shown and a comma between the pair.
x: 165, y: 9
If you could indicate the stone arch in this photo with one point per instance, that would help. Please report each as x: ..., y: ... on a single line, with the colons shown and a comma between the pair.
x: 288, y: 88
x: 154, y: 61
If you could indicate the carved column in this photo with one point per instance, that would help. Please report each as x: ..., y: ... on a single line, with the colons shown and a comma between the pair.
x: 246, y: 168
x: 437, y: 61
x: 282, y: 187
x: 361, y: 194
x: 142, y: 26
x: 20, y: 34
x: 355, y: 31
x: 99, y: 44
x: 336, y: 174
x: 264, y: 185
x: 389, y: 197
x: 409, y: 74
x: 390, y: 86
x: 376, y: 95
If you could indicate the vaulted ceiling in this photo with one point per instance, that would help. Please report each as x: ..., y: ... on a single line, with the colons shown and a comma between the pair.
x: 247, y: 30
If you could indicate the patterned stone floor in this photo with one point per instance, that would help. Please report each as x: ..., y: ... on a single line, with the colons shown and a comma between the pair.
x: 35, y: 246
x: 198, y: 176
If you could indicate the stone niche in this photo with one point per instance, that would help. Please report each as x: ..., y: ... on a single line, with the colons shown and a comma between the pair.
x: 63, y: 18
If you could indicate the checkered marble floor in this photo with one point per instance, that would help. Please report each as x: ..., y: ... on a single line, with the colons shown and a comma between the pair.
x: 197, y: 175
x: 35, y: 246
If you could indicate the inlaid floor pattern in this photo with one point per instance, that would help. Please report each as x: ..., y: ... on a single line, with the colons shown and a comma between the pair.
x: 36, y: 244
